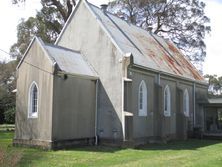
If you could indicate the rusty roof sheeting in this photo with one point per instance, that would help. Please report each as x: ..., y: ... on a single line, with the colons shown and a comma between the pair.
x: 148, y: 50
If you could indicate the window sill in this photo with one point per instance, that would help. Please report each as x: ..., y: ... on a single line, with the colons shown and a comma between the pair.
x: 33, y: 116
x: 186, y: 115
x: 167, y: 115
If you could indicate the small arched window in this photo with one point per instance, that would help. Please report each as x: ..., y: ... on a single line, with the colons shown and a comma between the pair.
x: 142, y: 99
x: 186, y: 108
x: 167, y: 101
x: 33, y: 101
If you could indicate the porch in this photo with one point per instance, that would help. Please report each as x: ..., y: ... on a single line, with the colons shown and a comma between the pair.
x: 212, y: 118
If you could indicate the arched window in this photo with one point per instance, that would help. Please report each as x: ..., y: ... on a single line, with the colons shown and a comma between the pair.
x: 142, y: 99
x: 186, y: 109
x: 167, y: 101
x: 33, y: 101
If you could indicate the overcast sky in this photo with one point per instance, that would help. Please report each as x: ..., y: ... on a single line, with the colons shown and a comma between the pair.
x: 10, y: 16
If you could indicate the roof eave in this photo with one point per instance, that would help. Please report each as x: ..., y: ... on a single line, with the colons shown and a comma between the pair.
x: 78, y: 75
x: 171, y: 75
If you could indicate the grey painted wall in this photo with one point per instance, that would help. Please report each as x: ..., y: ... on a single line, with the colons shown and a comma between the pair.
x: 35, y: 67
x: 155, y: 123
x: 142, y: 125
x: 73, y: 108
x: 98, y: 49
x: 201, y: 95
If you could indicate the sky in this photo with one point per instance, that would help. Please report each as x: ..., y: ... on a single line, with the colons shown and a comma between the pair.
x: 10, y: 16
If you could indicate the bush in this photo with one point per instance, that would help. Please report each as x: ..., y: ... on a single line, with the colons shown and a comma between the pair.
x: 10, y: 116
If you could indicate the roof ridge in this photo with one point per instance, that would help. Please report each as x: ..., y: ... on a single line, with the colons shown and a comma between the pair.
x: 107, y: 12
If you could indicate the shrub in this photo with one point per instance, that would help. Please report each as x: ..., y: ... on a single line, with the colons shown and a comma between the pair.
x: 10, y: 116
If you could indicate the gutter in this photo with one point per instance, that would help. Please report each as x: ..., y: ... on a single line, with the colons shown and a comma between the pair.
x: 61, y: 73
x: 164, y: 73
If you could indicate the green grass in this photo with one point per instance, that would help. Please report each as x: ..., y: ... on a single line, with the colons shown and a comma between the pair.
x: 198, y: 153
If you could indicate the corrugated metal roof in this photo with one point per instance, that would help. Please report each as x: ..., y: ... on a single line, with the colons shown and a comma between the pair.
x: 70, y: 61
x: 148, y: 49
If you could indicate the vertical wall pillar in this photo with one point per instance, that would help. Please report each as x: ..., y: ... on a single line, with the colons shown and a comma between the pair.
x: 181, y: 120
x: 158, y: 113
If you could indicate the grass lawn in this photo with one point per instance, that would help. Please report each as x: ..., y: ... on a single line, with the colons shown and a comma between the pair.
x: 200, y: 153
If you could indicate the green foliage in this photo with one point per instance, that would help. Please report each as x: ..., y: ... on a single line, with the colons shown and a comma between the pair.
x: 47, y: 24
x: 183, y: 21
x: 43, y: 25
x: 7, y: 85
x: 10, y: 116
x: 215, y: 85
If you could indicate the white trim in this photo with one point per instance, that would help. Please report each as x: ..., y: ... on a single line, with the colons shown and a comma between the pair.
x: 167, y: 112
x: 30, y: 114
x: 127, y: 79
x: 142, y: 111
x: 186, y: 103
x: 14, y: 91
x: 129, y: 114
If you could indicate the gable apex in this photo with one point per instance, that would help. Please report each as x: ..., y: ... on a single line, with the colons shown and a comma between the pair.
x: 41, y: 44
x: 68, y: 21
x: 90, y: 7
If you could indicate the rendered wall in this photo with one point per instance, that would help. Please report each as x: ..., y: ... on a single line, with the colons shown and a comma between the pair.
x: 84, y: 33
x: 155, y: 124
x: 35, y: 67
x: 142, y: 125
x: 73, y: 108
x: 201, y: 96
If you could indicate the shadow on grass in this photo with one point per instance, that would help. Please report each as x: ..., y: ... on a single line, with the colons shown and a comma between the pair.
x: 99, y: 148
x: 191, y: 144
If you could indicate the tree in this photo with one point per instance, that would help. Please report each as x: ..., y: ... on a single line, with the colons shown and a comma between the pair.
x: 64, y: 7
x: 47, y: 24
x: 215, y: 85
x: 183, y: 21
x: 7, y: 85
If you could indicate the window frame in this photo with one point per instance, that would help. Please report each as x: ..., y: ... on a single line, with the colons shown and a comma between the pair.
x: 167, y: 102
x: 186, y: 103
x: 142, y: 111
x: 32, y: 114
